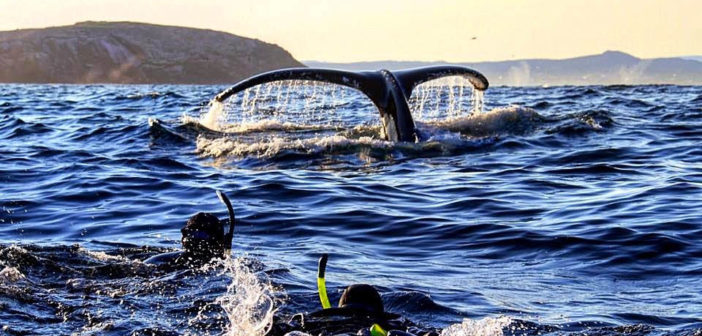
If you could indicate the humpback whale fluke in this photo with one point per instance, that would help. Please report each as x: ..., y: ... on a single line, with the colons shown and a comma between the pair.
x: 388, y: 90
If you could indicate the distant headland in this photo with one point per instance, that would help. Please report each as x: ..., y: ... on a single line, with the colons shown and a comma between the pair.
x: 610, y: 67
x: 127, y: 52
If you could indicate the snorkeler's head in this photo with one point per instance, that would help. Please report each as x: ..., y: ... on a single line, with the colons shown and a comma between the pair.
x: 203, y: 236
x: 362, y: 297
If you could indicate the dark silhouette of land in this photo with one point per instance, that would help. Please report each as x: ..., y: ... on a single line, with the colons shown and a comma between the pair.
x: 611, y: 67
x: 125, y: 52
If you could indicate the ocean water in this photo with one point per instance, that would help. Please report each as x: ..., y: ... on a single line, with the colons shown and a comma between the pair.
x: 559, y: 210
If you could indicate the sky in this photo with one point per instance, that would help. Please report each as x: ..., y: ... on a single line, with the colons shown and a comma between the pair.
x: 417, y: 30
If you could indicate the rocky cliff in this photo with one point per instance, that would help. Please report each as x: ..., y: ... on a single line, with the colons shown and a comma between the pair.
x: 124, y: 52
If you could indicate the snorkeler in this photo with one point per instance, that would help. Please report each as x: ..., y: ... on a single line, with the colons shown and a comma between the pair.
x: 360, y: 312
x: 203, y: 239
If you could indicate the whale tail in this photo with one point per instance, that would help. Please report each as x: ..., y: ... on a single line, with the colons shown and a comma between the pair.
x: 388, y: 90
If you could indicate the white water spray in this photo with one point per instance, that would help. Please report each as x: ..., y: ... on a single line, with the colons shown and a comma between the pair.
x: 478, y: 101
x: 286, y: 101
x: 308, y: 116
x: 211, y: 119
x: 445, y: 98
x: 249, y: 303
x: 305, y: 102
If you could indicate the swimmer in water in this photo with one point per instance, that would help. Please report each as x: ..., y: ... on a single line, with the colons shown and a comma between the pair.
x: 203, y: 239
x: 360, y: 312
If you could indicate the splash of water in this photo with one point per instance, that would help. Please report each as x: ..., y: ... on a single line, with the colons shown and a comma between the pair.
x: 303, y: 110
x: 478, y: 101
x: 285, y: 101
x: 302, y: 102
x: 214, y: 114
x: 249, y: 302
x: 211, y: 119
x: 445, y: 97
x: 488, y: 326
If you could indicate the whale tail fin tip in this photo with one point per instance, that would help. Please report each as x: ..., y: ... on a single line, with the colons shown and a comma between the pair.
x: 411, y: 78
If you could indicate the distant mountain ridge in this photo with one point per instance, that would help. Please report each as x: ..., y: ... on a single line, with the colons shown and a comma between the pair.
x: 127, y: 52
x: 610, y: 67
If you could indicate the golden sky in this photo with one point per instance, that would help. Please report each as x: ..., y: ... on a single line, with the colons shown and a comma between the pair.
x: 425, y: 30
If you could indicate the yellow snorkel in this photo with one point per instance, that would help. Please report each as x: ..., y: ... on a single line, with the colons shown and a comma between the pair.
x: 321, y: 283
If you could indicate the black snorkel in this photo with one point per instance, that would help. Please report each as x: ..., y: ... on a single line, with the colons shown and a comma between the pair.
x: 229, y: 237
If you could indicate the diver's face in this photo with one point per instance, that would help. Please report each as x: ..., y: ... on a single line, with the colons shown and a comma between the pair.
x: 200, y: 244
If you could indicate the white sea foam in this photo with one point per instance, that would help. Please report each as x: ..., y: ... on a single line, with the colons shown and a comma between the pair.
x: 102, y: 256
x: 270, y: 147
x: 272, y: 125
x: 10, y: 275
x: 510, y: 119
x: 488, y: 326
